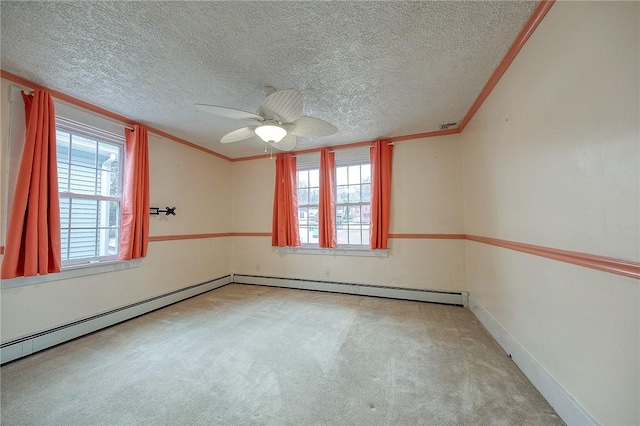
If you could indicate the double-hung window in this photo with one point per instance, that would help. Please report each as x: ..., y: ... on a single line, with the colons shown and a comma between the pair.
x: 352, y: 192
x: 353, y: 204
x: 90, y: 182
x: 90, y: 154
x: 308, y: 190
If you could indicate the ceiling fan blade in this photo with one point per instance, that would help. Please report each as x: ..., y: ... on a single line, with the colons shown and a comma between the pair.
x: 238, y: 135
x: 288, y: 143
x: 235, y: 114
x: 310, y: 126
x: 285, y: 104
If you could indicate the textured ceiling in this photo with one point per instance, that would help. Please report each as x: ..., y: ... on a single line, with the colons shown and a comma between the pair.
x: 373, y: 69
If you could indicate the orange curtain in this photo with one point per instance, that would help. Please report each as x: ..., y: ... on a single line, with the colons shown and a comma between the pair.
x: 285, y: 204
x: 327, y: 207
x: 381, y: 161
x: 134, y: 236
x: 33, y: 236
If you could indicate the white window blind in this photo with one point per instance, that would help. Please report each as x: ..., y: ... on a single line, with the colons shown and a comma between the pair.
x: 352, y: 191
x: 308, y: 161
x: 358, y: 155
x: 353, y: 196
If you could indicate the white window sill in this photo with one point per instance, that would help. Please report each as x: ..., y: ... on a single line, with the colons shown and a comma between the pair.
x: 350, y: 251
x: 73, y: 272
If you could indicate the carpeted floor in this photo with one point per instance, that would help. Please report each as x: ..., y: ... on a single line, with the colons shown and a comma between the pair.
x: 243, y: 355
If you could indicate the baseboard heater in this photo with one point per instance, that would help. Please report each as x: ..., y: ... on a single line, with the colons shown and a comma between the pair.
x: 18, y: 348
x: 24, y: 346
x: 433, y: 296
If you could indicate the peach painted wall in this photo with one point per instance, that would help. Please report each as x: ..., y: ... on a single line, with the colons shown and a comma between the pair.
x: 552, y: 158
x: 426, y: 198
x: 195, y: 183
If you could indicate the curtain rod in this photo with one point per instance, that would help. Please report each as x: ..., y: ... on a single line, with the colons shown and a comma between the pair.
x: 31, y: 92
x: 370, y: 146
x: 332, y: 151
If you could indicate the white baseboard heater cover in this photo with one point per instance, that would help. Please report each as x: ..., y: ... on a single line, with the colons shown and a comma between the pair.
x: 448, y: 298
x: 28, y: 345
x: 564, y: 404
x: 24, y: 346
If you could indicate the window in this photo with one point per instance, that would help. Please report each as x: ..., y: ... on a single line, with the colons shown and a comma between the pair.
x: 90, y: 209
x: 90, y: 186
x: 353, y: 204
x: 308, y: 188
x: 353, y: 196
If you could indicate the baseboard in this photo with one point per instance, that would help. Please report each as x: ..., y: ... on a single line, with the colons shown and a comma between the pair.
x: 448, y: 298
x: 24, y: 346
x: 18, y: 348
x: 566, y: 407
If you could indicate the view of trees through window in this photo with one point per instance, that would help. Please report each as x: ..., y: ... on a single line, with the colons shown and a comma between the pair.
x: 308, y: 184
x: 353, y: 204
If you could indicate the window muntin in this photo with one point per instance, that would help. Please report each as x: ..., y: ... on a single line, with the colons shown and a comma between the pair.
x: 90, y: 188
x: 353, y: 204
x: 308, y: 191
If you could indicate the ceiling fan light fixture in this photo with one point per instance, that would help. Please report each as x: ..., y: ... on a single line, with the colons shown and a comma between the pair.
x: 270, y: 133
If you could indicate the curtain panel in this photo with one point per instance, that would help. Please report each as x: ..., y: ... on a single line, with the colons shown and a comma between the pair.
x: 134, y: 234
x: 285, y: 230
x: 33, y: 235
x: 327, y: 203
x: 381, y: 162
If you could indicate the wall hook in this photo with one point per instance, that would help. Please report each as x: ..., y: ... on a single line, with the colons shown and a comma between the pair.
x: 168, y: 210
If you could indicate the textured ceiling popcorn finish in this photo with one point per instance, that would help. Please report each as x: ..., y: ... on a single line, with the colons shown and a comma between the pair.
x: 373, y: 69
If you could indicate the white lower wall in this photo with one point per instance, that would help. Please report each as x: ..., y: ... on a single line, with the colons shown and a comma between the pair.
x: 413, y: 263
x: 169, y: 266
x: 564, y: 404
x: 582, y: 326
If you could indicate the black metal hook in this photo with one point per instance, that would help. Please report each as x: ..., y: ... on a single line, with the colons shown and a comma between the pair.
x: 157, y: 211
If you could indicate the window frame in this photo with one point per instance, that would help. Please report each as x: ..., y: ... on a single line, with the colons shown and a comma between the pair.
x: 347, y: 157
x: 11, y: 158
x: 360, y: 204
x: 308, y: 169
x: 76, y: 128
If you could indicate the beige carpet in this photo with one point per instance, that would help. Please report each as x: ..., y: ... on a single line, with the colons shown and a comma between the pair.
x: 243, y: 355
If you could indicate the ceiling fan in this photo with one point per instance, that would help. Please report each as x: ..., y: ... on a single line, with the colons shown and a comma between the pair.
x: 278, y: 121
